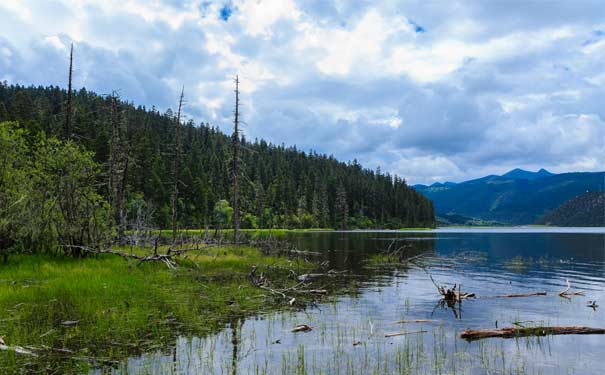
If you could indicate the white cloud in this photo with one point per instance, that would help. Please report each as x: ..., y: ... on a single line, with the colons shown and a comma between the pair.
x: 467, y: 91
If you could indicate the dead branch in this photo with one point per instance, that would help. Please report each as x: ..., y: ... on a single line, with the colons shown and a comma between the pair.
x: 453, y: 294
x: 405, y: 321
x: 513, y: 332
x: 17, y: 349
x: 164, y: 258
x: 302, y: 328
x: 516, y: 295
x: 567, y: 293
x: 402, y: 333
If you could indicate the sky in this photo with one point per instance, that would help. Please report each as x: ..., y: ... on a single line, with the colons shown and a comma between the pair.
x: 428, y: 90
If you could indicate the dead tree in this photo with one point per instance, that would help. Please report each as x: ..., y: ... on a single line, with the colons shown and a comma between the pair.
x: 177, y: 161
x: 67, y: 126
x: 118, y: 168
x: 235, y: 167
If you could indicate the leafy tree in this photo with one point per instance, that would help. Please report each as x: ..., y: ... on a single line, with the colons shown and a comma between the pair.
x: 15, y: 187
x: 223, y: 213
x: 52, y: 184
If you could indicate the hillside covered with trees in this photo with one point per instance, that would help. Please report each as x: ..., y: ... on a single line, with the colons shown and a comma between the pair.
x: 586, y: 210
x: 517, y: 197
x: 279, y: 186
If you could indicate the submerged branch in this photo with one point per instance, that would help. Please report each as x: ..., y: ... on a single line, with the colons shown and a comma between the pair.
x: 512, y: 332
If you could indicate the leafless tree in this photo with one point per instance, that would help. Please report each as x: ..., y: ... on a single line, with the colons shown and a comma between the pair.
x: 67, y: 126
x: 177, y: 160
x: 235, y: 168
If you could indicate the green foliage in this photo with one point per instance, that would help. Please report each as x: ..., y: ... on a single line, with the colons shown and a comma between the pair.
x: 585, y: 210
x: 249, y: 221
x: 14, y: 184
x: 48, y: 194
x: 223, y: 213
x: 280, y: 185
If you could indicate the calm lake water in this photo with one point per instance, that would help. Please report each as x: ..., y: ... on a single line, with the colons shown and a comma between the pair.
x: 485, y: 262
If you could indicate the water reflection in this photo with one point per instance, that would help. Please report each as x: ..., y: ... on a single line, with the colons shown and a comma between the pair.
x: 487, y: 264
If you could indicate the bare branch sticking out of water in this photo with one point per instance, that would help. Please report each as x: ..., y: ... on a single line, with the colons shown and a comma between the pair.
x: 566, y: 293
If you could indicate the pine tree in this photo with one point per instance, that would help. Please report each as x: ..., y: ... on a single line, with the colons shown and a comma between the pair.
x: 341, y: 208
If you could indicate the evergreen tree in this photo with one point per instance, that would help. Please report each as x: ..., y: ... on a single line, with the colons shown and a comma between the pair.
x: 341, y: 208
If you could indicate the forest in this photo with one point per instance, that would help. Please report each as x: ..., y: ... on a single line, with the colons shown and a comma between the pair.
x: 279, y: 186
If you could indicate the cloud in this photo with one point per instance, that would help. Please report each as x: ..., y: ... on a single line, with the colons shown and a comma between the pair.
x: 430, y: 91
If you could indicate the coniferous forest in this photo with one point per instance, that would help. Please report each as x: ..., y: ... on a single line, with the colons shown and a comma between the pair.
x: 280, y: 186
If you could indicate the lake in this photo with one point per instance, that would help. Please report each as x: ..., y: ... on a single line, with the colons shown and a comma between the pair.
x: 348, y: 335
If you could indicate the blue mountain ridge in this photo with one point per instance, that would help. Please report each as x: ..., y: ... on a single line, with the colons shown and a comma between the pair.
x: 516, y: 197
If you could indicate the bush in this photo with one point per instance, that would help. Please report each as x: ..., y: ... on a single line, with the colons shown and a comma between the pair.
x: 48, y: 196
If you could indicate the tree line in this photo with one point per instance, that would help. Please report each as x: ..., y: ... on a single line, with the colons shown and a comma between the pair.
x: 278, y: 186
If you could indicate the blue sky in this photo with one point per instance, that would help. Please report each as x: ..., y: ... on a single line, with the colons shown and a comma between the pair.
x: 428, y: 90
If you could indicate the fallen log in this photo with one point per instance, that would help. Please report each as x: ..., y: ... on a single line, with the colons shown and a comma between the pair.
x: 302, y: 328
x: 516, y: 295
x: 405, y: 321
x: 402, y: 333
x: 513, y: 332
x: 17, y: 349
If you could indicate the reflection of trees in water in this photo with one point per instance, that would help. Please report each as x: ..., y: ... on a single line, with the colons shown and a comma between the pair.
x: 235, y: 340
x: 349, y: 250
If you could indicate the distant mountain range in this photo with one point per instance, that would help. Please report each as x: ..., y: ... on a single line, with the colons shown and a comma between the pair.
x: 516, y: 197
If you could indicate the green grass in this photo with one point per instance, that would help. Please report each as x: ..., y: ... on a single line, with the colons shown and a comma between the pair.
x: 249, y: 233
x: 416, y: 228
x: 124, y: 308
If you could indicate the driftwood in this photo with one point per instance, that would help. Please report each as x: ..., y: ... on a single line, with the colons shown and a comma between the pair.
x: 402, y: 333
x: 567, y: 293
x: 513, y: 332
x: 165, y: 258
x: 452, y: 295
x: 516, y: 295
x: 302, y: 328
x: 17, y: 349
x: 405, y: 321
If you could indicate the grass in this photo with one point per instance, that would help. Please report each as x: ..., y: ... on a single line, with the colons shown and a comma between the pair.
x: 122, y: 308
x: 252, y: 234
x: 415, y: 229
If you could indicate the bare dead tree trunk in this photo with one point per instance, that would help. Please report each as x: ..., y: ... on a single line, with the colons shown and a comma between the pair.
x: 235, y: 168
x: 118, y: 169
x: 67, y: 126
x: 177, y: 161
x: 113, y: 159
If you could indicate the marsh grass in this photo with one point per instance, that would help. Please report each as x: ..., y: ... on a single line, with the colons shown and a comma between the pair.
x: 122, y: 308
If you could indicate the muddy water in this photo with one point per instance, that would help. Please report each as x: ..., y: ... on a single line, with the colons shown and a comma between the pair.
x: 348, y: 335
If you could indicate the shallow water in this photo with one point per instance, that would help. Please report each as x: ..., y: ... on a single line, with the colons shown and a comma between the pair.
x: 485, y: 262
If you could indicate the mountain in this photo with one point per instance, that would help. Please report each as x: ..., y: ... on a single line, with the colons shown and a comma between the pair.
x: 516, y: 197
x: 280, y: 186
x: 520, y: 174
x: 584, y: 210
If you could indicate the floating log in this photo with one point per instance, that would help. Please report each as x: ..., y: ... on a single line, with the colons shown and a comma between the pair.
x: 405, y: 321
x: 302, y: 328
x: 513, y: 332
x: 402, y: 333
x: 516, y: 295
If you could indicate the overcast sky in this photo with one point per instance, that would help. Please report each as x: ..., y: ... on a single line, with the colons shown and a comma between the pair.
x: 428, y: 90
